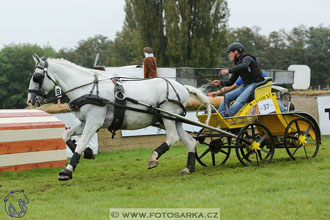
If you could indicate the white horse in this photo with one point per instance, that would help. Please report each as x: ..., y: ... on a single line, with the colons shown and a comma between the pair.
x: 99, y: 111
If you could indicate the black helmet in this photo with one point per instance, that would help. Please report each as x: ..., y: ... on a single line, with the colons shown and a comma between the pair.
x: 235, y: 46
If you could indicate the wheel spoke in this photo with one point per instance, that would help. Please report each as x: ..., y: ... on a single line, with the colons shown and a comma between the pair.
x: 204, y: 153
x: 260, y: 156
x: 293, y: 137
x: 297, y: 126
x: 305, y: 152
x: 263, y: 150
x: 311, y: 143
x: 253, y: 132
x: 224, y: 152
x: 246, y: 141
x: 307, y: 131
x: 257, y: 159
x: 246, y: 156
x: 263, y: 138
x: 213, y: 159
x: 295, y: 150
x: 247, y: 135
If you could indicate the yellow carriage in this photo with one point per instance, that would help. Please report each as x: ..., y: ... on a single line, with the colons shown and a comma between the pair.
x: 259, y: 128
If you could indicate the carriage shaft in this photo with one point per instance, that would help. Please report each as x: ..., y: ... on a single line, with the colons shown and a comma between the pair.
x: 188, y: 121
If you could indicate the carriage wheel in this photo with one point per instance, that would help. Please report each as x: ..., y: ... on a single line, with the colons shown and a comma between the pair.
x: 218, y: 149
x: 301, y: 139
x: 254, y: 145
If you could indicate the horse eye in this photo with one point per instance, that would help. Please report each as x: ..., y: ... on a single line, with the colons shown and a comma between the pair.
x: 37, y: 77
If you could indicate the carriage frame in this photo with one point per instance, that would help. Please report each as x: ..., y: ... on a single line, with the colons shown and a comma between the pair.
x: 258, y: 129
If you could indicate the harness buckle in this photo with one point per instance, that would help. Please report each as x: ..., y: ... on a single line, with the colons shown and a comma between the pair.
x: 120, y: 95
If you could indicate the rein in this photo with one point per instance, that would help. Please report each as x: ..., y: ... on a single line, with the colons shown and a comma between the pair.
x: 38, y: 77
x: 95, y: 82
x: 120, y: 97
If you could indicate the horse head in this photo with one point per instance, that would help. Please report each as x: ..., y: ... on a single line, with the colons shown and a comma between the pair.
x: 41, y: 83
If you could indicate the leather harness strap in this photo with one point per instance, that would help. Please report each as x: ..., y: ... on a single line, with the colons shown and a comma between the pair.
x: 76, y: 104
x: 96, y: 100
x: 120, y: 103
x: 178, y: 102
x: 119, y: 113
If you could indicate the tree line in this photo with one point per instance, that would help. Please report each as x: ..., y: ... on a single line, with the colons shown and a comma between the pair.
x: 183, y: 33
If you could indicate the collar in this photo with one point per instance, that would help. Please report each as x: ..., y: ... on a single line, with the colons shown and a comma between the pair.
x: 148, y: 54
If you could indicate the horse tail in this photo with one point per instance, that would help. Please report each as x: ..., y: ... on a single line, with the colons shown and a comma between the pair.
x: 203, y: 99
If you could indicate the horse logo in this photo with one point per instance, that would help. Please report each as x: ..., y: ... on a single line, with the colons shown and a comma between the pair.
x: 13, y: 198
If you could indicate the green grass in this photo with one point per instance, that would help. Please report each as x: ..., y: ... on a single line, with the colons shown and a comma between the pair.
x: 284, y: 189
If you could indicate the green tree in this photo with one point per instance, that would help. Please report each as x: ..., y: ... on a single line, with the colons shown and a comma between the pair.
x: 318, y: 54
x: 16, y: 68
x: 296, y: 41
x: 277, y: 51
x: 85, y: 52
x: 125, y: 48
x: 182, y: 33
x: 149, y: 21
x: 196, y: 32
x: 281, y: 49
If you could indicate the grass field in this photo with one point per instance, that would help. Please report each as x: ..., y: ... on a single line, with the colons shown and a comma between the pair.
x: 284, y: 189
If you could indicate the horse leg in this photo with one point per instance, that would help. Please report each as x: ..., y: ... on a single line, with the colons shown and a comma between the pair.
x: 190, y: 143
x: 87, y: 134
x: 77, y: 130
x: 171, y: 138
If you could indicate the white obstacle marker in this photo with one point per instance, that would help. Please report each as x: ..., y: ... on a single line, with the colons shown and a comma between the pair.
x: 30, y: 139
x: 302, y: 76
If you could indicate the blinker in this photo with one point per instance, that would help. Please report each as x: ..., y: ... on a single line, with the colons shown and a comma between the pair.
x: 37, y: 77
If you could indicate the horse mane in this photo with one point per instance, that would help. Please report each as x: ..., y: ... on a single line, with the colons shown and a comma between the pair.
x: 65, y: 62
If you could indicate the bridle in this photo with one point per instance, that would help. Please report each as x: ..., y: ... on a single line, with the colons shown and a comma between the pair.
x: 41, y: 97
x: 39, y: 78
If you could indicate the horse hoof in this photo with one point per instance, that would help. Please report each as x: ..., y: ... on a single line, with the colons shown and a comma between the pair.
x: 89, y: 157
x: 185, y: 171
x: 88, y: 154
x: 63, y: 178
x: 64, y: 175
x: 152, y: 164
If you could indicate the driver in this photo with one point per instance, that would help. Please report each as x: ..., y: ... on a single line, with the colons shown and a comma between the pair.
x: 246, y: 67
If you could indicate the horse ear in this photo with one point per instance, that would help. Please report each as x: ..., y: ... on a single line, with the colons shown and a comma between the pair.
x: 35, y: 59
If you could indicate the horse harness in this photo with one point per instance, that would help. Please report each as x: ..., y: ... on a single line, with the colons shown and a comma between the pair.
x: 120, y: 99
x: 120, y: 102
x: 118, y: 113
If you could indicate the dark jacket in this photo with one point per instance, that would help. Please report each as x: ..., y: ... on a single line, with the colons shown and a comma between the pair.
x: 247, y: 68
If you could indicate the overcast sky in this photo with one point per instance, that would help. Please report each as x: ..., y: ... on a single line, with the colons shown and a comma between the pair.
x: 62, y: 23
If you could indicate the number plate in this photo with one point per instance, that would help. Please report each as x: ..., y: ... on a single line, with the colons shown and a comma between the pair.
x: 266, y: 106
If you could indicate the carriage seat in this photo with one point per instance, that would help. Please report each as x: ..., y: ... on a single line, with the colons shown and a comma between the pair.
x: 261, y: 88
